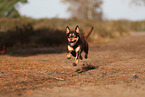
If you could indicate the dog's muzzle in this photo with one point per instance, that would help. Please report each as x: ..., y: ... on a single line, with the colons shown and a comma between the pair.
x: 72, y: 41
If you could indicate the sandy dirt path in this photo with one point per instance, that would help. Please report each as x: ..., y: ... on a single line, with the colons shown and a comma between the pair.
x: 119, y: 71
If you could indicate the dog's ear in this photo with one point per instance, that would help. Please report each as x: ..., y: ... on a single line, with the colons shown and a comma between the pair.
x: 77, y: 29
x: 67, y: 29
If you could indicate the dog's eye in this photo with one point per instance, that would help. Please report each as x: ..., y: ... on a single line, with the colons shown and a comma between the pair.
x: 69, y: 36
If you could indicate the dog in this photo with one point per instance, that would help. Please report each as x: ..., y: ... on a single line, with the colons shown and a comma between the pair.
x: 77, y: 43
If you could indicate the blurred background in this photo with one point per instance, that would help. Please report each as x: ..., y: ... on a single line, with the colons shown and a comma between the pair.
x: 41, y: 23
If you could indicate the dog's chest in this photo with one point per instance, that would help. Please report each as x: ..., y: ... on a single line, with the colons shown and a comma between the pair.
x: 74, y: 49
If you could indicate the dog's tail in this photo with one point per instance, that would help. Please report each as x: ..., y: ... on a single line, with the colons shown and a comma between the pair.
x: 86, y: 35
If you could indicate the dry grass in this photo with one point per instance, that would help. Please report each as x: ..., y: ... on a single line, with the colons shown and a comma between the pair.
x: 27, y: 32
x: 113, y: 70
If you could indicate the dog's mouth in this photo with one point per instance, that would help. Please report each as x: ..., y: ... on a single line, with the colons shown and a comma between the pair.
x: 72, y: 43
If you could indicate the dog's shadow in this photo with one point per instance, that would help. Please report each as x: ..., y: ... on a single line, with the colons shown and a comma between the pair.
x: 86, y: 67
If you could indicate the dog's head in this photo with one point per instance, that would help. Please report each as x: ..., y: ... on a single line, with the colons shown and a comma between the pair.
x: 72, y: 36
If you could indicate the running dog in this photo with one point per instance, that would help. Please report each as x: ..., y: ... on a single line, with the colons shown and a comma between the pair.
x: 77, y: 43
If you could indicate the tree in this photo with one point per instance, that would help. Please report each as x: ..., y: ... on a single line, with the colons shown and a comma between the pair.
x: 8, y: 8
x: 85, y: 9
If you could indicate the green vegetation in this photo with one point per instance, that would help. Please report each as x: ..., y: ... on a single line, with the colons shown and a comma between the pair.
x: 8, y: 8
x: 27, y: 32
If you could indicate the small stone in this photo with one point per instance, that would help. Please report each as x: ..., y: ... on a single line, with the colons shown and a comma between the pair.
x: 134, y: 76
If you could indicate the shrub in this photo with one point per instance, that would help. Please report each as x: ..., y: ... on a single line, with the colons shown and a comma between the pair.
x: 27, y: 32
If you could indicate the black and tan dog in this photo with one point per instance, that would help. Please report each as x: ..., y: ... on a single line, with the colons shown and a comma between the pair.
x: 77, y: 43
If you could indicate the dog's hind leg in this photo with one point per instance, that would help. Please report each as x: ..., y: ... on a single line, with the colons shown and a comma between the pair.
x: 86, y: 51
x: 81, y: 57
x: 86, y: 55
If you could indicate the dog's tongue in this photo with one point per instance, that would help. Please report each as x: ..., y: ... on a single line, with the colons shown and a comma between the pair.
x: 72, y: 44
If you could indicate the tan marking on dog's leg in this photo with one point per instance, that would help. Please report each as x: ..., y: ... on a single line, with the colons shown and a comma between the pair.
x: 77, y: 49
x: 70, y: 49
x: 68, y: 55
x: 76, y: 61
x: 77, y: 56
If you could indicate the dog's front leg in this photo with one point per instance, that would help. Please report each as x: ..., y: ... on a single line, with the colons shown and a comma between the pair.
x: 68, y: 55
x: 77, y: 50
x: 70, y: 49
x: 76, y: 59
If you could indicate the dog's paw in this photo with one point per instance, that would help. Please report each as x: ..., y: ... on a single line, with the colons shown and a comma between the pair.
x: 86, y: 56
x: 81, y: 57
x: 68, y: 57
x: 74, y: 64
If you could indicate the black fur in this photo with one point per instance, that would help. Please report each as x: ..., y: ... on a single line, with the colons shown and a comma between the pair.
x: 76, y: 44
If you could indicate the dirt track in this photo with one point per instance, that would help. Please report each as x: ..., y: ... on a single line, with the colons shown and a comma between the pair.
x: 119, y: 71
